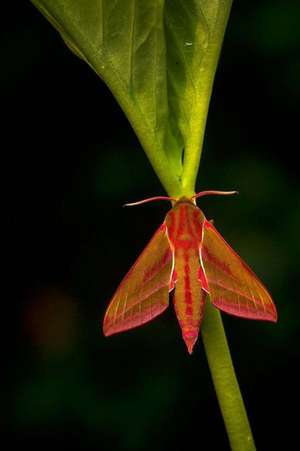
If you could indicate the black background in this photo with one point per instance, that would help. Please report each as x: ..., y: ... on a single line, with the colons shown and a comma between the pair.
x: 70, y: 160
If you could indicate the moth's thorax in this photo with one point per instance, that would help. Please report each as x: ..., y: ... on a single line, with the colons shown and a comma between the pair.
x: 184, y: 225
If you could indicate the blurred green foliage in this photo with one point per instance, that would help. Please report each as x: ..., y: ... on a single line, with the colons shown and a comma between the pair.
x: 73, y: 161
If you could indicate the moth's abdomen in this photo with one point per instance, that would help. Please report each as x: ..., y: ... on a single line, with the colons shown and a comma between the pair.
x: 189, y: 297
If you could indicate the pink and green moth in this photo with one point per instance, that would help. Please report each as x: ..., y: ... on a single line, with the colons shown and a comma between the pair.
x: 188, y: 255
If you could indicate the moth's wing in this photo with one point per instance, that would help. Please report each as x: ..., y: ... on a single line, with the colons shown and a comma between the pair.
x: 233, y: 287
x: 144, y: 291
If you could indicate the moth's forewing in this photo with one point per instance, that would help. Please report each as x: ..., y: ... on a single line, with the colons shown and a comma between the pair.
x: 233, y: 286
x: 144, y: 292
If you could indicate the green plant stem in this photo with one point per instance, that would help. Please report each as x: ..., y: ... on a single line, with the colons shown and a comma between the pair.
x: 225, y: 381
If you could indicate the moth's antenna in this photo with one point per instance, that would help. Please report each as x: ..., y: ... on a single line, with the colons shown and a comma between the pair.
x: 149, y: 199
x: 218, y: 193
x: 172, y: 199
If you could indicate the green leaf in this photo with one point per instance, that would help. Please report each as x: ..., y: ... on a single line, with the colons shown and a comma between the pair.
x: 194, y: 35
x: 158, y: 58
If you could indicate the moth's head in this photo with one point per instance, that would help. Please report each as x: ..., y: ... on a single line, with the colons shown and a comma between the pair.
x: 185, y: 200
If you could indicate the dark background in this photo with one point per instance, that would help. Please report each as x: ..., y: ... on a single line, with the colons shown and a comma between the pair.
x: 70, y: 160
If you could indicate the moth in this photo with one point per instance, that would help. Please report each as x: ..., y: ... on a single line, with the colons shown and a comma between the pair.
x: 188, y: 255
